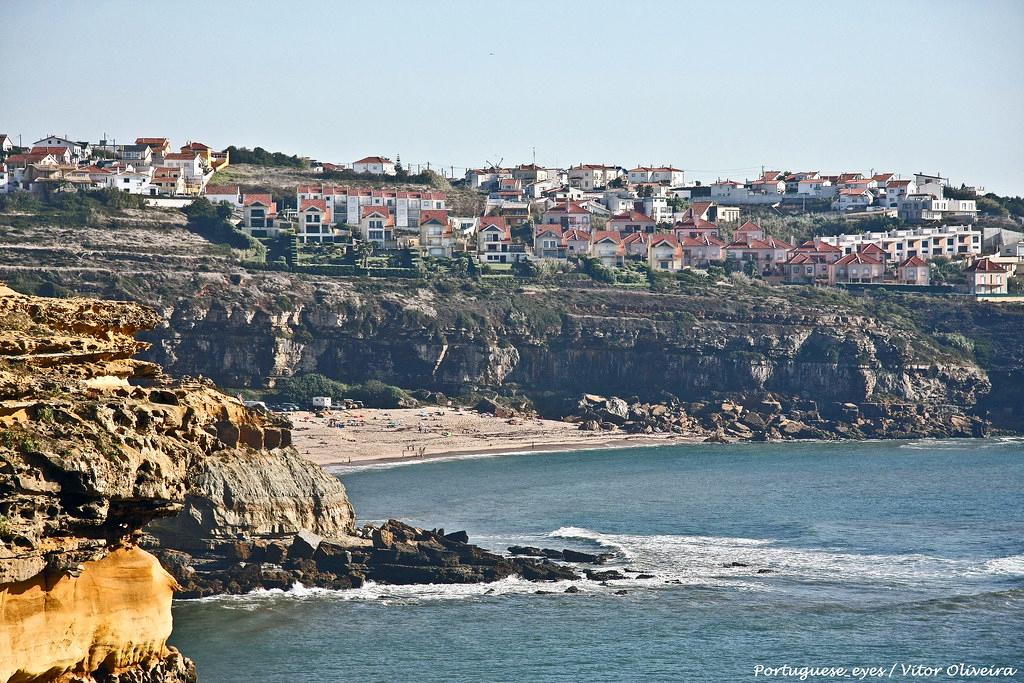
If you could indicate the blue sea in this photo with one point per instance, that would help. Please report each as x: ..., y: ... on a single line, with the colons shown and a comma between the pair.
x: 882, y: 555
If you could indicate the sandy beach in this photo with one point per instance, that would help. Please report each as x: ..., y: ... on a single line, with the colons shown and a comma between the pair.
x: 370, y: 436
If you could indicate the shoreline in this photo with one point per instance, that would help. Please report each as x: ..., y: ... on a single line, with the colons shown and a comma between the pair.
x: 382, y: 437
x: 499, y: 451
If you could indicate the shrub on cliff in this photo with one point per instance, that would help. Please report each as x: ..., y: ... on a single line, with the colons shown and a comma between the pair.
x: 213, y: 223
x: 374, y: 394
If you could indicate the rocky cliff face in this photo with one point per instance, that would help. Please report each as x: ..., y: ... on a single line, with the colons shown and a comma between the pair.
x: 553, y: 345
x: 94, y: 445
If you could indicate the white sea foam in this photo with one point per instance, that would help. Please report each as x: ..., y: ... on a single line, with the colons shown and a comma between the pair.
x: 677, y: 560
x: 1011, y: 566
x: 692, y: 559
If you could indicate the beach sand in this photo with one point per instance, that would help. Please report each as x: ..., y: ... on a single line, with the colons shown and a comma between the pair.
x: 373, y: 436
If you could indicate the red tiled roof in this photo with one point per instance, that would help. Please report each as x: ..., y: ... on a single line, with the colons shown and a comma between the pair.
x: 549, y: 227
x: 264, y: 199
x: 636, y: 216
x: 985, y: 266
x: 181, y: 156
x: 366, y: 210
x: 853, y: 191
x: 750, y: 226
x: 635, y: 237
x: 151, y: 141
x: 872, y: 248
x: 320, y: 204
x: 818, y: 247
x: 701, y: 241
x: 659, y: 239
x: 492, y: 220
x: 438, y: 215
x: 914, y: 262
x: 858, y: 258
x: 56, y: 151
x: 373, y: 160
x: 798, y: 259
x: 601, y: 235
x: 575, y: 235
x: 898, y: 183
x: 567, y: 208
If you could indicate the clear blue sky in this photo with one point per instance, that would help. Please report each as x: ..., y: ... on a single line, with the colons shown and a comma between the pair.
x: 716, y: 88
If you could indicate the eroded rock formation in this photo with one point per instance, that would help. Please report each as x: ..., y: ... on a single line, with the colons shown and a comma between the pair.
x: 94, y: 445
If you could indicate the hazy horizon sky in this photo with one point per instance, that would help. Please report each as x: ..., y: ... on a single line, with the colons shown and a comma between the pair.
x: 718, y: 89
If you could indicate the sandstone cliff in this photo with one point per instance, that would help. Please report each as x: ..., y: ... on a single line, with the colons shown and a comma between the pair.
x: 94, y: 445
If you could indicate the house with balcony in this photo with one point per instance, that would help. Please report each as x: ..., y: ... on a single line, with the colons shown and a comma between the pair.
x: 576, y: 242
x: 631, y: 221
x: 702, y: 250
x: 568, y: 215
x: 377, y: 225
x: 926, y: 242
x: 984, y: 276
x: 768, y: 252
x: 436, y: 236
x: 167, y: 181
x: 315, y: 222
x: 593, y: 176
x: 547, y: 242
x: 809, y: 262
x: 636, y: 244
x: 346, y: 203
x: 259, y: 213
x: 665, y: 253
x: 494, y: 242
x: 606, y: 246
x: 857, y: 268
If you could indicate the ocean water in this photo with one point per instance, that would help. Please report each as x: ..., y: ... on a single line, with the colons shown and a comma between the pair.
x: 881, y: 555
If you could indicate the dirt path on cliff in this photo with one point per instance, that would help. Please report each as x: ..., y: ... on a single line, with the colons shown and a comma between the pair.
x: 372, y: 436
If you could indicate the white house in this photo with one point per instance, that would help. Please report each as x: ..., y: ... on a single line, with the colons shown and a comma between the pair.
x: 853, y: 199
x: 347, y: 203
x: 374, y: 165
x: 190, y: 163
x: 78, y: 150
x: 494, y: 242
x: 896, y: 191
x: 665, y: 175
x: 6, y: 145
x: 436, y: 237
x: 131, y: 181
x: 926, y: 207
x: 593, y: 176
x: 816, y: 188
x: 232, y: 194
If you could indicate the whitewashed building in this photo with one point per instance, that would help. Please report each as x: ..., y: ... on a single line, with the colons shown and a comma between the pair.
x: 346, y: 203
x: 374, y: 165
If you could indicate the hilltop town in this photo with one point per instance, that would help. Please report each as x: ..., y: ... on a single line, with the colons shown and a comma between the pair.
x: 374, y: 217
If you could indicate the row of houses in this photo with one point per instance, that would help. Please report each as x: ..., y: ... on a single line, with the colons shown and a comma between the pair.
x: 921, y: 198
x: 420, y: 220
x: 148, y: 167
